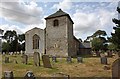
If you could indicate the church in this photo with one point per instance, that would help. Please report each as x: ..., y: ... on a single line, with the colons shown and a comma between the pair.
x: 56, y: 39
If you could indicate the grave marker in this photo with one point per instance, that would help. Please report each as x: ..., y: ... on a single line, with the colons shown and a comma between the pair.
x: 24, y: 59
x: 104, y: 60
x: 8, y: 75
x: 54, y: 58
x: 116, y: 69
x: 46, y: 61
x: 36, y: 58
x: 79, y: 59
x: 69, y: 59
x: 7, y: 60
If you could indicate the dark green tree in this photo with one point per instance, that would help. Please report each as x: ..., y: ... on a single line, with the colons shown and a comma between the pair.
x: 115, y: 39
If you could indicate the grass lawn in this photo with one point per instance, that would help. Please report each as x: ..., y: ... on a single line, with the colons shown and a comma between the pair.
x: 90, y: 67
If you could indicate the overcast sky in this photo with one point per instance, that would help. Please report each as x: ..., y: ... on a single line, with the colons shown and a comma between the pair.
x: 88, y: 15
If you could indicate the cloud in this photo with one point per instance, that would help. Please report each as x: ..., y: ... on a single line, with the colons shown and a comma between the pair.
x: 64, y: 5
x: 21, y: 12
x: 86, y: 23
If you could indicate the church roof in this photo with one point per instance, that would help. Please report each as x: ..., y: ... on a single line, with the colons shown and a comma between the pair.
x: 58, y: 14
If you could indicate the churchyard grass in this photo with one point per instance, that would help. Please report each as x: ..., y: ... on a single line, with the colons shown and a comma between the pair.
x: 91, y: 67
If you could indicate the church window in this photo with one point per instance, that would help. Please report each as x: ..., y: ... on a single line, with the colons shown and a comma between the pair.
x: 56, y: 22
x: 36, y: 39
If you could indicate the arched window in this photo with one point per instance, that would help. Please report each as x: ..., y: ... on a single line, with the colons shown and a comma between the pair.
x: 55, y: 22
x: 36, y: 39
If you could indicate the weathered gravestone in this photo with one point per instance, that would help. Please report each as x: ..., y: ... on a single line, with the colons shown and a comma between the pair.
x: 69, y: 59
x: 46, y: 61
x: 109, y: 53
x: 7, y: 60
x: 29, y: 75
x: 116, y: 69
x: 8, y: 75
x: 36, y: 58
x: 24, y: 59
x: 79, y: 59
x: 54, y: 58
x: 104, y: 60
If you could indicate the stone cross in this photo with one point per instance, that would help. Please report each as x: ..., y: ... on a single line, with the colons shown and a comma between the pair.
x: 104, y: 60
x: 79, y: 59
x: 54, y: 58
x: 7, y: 60
x: 8, y: 75
x: 29, y: 75
x: 24, y: 59
x: 69, y: 59
x: 116, y: 69
x: 36, y: 58
x: 46, y: 61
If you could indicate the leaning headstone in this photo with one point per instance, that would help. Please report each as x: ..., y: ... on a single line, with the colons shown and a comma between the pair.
x: 79, y: 59
x: 104, y: 60
x: 69, y: 59
x: 24, y: 59
x: 116, y: 69
x: 54, y: 58
x: 8, y: 75
x: 29, y: 75
x: 36, y: 58
x: 46, y: 61
x: 6, y: 59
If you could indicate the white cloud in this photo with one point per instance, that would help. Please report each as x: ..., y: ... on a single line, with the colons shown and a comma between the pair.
x: 21, y: 12
x: 64, y: 5
x: 86, y: 24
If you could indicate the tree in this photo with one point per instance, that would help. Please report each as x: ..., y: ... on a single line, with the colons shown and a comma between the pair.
x: 115, y: 39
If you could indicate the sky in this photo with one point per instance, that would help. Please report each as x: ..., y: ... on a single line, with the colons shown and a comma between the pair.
x: 88, y: 15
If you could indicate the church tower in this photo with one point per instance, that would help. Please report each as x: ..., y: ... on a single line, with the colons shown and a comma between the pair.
x: 59, y: 34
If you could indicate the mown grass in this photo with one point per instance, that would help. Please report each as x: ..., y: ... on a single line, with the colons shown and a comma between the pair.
x: 90, y: 67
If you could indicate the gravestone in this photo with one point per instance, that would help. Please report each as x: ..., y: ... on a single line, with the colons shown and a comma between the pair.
x: 54, y: 58
x: 7, y: 60
x: 103, y: 60
x: 46, y: 61
x: 79, y: 59
x: 29, y: 75
x: 8, y: 75
x: 15, y: 61
x: 109, y: 53
x: 69, y: 59
x: 36, y: 58
x: 98, y: 53
x: 24, y: 59
x: 116, y: 69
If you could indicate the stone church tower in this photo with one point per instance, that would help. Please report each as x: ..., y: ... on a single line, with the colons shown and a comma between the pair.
x: 59, y: 37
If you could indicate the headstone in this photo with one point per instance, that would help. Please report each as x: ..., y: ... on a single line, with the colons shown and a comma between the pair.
x: 24, y: 59
x: 109, y: 53
x: 98, y: 53
x: 54, y: 58
x: 8, y: 75
x: 46, y: 61
x: 3, y: 53
x: 6, y: 59
x: 104, y: 60
x: 11, y: 53
x: 15, y: 61
x: 69, y: 59
x: 36, y: 58
x: 79, y: 59
x: 116, y: 69
x: 29, y: 75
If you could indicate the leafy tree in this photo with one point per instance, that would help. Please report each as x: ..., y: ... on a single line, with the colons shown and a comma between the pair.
x: 115, y: 39
x: 5, y: 47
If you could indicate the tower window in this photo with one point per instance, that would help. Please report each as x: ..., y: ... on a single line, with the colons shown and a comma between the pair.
x: 55, y: 22
x: 36, y: 39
